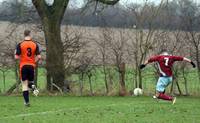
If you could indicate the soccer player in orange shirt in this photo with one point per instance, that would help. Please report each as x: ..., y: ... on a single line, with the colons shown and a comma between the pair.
x: 28, y: 53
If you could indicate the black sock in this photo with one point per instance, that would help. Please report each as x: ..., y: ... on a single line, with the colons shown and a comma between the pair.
x: 26, y: 96
x: 30, y: 86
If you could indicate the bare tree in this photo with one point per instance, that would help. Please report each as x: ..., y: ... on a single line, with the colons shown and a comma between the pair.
x: 85, y: 68
x: 103, y: 49
x: 4, y: 67
x: 7, y: 58
x: 190, y: 16
x: 143, y: 40
x: 51, y: 16
x: 73, y: 44
x: 117, y: 43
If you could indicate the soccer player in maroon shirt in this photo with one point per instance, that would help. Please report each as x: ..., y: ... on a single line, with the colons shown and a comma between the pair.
x: 165, y: 63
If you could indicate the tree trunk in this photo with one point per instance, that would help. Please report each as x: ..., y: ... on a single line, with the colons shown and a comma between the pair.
x: 81, y: 84
x: 36, y: 75
x: 17, y: 77
x: 140, y: 78
x: 136, y: 80
x: 136, y: 64
x: 122, y: 79
x: 172, y: 87
x: 4, y: 81
x: 105, y: 79
x: 90, y: 82
x: 185, y: 80
x: 110, y: 78
x: 198, y: 62
x: 55, y: 59
x: 176, y: 81
x: 179, y: 89
x: 51, y: 17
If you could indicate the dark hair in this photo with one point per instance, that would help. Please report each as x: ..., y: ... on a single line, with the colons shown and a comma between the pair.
x: 27, y: 32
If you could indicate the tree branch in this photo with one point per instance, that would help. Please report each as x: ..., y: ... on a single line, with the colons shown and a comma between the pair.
x: 108, y: 2
x: 55, y: 11
x: 38, y: 6
x: 60, y: 6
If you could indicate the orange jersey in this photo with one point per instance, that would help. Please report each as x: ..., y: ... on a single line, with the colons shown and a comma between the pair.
x: 27, y: 50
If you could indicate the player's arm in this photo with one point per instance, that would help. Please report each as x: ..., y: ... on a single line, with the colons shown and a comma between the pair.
x: 17, y: 52
x: 179, y: 58
x: 37, y: 53
x: 190, y: 61
x: 152, y: 59
x: 38, y: 58
x: 144, y: 64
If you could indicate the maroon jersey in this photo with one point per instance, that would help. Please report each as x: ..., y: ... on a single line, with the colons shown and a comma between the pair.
x: 165, y: 63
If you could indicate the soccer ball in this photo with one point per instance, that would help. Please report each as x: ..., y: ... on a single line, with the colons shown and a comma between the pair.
x: 137, y: 91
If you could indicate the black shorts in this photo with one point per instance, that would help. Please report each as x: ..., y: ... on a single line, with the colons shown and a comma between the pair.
x: 27, y: 73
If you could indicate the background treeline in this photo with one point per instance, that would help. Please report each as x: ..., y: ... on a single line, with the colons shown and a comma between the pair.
x: 109, y: 16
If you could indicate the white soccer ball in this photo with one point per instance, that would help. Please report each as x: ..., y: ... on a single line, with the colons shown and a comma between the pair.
x: 137, y: 91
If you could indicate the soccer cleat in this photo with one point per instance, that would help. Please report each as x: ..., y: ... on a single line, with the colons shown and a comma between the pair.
x: 155, y: 98
x: 27, y: 104
x: 33, y: 87
x: 36, y: 92
x: 173, y: 100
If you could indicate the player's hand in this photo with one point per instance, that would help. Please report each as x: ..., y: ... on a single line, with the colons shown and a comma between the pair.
x: 193, y: 64
x: 40, y: 61
x: 142, y: 66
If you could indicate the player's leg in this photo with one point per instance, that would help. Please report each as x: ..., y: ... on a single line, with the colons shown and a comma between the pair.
x: 25, y: 89
x: 164, y: 92
x: 25, y: 92
x: 160, y: 88
x: 33, y: 88
x: 169, y: 82
x: 31, y: 84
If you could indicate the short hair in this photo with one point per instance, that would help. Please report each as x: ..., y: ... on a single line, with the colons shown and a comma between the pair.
x: 27, y: 32
x: 164, y: 52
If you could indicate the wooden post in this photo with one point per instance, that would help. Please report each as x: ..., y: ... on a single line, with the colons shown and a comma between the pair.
x: 122, y: 69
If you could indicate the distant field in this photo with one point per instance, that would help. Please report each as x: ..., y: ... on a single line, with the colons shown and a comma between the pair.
x: 98, y: 84
x: 66, y: 109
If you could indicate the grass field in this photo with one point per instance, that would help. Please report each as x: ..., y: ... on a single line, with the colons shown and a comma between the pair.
x: 98, y: 83
x: 67, y: 109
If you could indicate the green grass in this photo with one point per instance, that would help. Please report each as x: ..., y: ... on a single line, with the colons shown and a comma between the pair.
x: 98, y: 85
x: 68, y: 109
